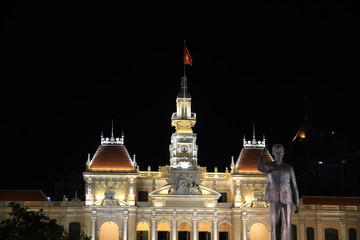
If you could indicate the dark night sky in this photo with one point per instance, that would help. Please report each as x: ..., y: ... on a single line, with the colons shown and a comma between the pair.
x: 67, y: 78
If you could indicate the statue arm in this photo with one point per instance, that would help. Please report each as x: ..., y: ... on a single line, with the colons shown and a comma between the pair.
x: 294, y: 190
x: 261, y: 164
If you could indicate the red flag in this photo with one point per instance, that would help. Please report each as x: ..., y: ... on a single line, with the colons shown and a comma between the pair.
x: 187, y: 58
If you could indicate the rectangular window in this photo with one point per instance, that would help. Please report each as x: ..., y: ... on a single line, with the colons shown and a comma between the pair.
x: 143, y: 196
x: 74, y: 230
x: 142, y: 235
x: 183, y: 235
x: 205, y: 235
x: 163, y: 235
x: 223, y: 236
x: 293, y: 232
x: 223, y: 197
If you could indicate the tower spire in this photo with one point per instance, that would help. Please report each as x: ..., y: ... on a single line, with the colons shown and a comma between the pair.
x: 254, y: 138
x: 112, y: 128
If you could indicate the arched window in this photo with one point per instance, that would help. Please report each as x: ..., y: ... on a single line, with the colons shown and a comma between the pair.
x: 352, y: 234
x: 310, y: 233
x: 183, y: 112
x: 74, y: 230
x: 331, y: 234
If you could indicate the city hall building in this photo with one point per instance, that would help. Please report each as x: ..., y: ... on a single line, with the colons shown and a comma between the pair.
x: 182, y: 200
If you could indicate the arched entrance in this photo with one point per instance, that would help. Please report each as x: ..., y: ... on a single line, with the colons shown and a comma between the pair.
x: 204, y: 231
x: 184, y: 229
x: 259, y: 231
x: 224, y: 231
x: 142, y: 231
x: 163, y: 231
x: 109, y: 230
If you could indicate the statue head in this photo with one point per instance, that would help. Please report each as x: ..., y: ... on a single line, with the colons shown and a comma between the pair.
x: 278, y: 152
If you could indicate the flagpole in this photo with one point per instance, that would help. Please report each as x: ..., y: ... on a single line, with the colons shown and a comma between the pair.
x: 184, y: 73
x: 183, y: 61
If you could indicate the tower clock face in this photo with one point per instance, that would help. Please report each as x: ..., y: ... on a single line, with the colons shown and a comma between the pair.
x: 184, y: 148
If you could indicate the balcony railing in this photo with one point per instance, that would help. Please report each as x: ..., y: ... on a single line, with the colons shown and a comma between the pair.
x: 174, y: 116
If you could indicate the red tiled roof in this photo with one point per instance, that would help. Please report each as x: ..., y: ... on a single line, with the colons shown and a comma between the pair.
x: 325, y: 200
x: 22, y: 195
x: 111, y: 158
x: 248, y: 159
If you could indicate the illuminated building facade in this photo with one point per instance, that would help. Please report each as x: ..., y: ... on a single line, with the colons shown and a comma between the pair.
x: 182, y: 200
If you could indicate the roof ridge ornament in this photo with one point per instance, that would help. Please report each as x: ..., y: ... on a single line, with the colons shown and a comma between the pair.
x: 254, y: 138
x: 112, y: 140
x: 253, y: 143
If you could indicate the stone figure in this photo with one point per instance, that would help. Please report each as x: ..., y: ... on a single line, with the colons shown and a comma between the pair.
x: 281, y: 192
x: 184, y: 185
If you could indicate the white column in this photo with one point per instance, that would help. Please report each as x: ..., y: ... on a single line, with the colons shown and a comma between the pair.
x: 93, y: 225
x: 318, y: 228
x: 125, y: 227
x: 215, y: 226
x: 302, y: 228
x: 153, y: 225
x: 195, y: 227
x: 244, y: 218
x: 174, y: 226
x: 343, y: 227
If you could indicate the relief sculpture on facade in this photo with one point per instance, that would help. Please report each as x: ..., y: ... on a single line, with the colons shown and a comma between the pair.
x: 184, y: 185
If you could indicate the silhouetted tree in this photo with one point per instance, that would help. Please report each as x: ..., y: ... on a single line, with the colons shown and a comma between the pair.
x: 32, y: 225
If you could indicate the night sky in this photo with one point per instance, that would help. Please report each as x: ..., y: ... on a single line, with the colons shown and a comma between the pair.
x: 66, y: 79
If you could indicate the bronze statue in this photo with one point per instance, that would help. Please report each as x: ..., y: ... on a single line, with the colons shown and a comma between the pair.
x: 281, y: 192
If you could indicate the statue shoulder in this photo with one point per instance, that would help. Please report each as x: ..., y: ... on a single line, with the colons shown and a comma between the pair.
x: 287, y: 166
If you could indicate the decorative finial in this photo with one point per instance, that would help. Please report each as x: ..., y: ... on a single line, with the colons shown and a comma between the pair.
x: 232, y: 165
x: 88, y: 161
x: 254, y: 138
x: 112, y: 128
x: 253, y: 143
x: 134, y: 159
x: 122, y: 137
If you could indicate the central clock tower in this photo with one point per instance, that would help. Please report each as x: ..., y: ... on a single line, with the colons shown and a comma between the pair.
x: 183, y: 148
x: 185, y: 176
